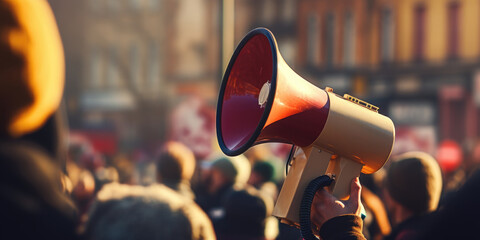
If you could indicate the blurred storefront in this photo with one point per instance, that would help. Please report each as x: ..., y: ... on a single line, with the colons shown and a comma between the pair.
x: 417, y: 60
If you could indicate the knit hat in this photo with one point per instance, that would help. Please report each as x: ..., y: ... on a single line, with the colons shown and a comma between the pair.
x: 414, y: 180
x: 31, y: 66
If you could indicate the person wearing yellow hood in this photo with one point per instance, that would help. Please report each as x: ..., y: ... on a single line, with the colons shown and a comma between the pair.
x: 32, y: 201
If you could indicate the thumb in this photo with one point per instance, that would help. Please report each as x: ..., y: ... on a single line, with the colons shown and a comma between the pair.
x: 355, y: 191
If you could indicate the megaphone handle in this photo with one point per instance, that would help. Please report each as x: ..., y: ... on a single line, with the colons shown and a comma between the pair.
x: 344, y: 170
x: 306, y: 205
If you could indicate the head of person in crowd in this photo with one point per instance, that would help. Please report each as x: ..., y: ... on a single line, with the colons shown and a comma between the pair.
x: 262, y: 178
x: 228, y: 172
x: 413, y: 185
x: 262, y: 172
x: 175, y: 167
x: 247, y: 216
x: 105, y: 176
x: 125, y: 168
x: 154, y: 212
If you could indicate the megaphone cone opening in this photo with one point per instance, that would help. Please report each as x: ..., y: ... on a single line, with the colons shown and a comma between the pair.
x: 247, y: 92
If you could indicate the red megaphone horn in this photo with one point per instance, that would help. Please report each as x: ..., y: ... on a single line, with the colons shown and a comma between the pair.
x: 263, y: 100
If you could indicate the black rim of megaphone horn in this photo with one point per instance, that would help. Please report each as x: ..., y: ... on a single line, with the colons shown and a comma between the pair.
x: 271, y: 95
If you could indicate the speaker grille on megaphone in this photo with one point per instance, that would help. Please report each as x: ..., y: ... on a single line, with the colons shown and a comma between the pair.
x: 263, y: 100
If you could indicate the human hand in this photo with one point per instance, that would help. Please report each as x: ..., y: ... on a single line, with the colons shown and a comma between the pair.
x: 326, y: 206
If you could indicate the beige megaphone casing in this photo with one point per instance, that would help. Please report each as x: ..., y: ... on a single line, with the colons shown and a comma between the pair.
x: 263, y: 100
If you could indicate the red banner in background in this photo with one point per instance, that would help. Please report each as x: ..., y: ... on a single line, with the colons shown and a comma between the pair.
x: 105, y: 142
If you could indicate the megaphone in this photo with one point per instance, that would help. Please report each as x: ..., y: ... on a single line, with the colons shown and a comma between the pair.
x: 263, y: 100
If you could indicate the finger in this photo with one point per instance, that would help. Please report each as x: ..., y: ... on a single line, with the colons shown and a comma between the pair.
x: 355, y: 192
x: 323, y: 195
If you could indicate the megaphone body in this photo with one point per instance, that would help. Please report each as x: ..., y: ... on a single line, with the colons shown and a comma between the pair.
x: 263, y: 100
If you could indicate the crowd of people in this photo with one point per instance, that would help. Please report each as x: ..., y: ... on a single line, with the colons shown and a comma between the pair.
x: 216, y: 198
x: 53, y: 190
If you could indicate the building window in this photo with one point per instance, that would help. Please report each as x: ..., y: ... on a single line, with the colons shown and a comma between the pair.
x: 313, y: 39
x: 135, y: 68
x: 453, y: 30
x: 95, y: 4
x: 330, y: 40
x: 135, y: 4
x: 419, y: 32
x: 386, y: 35
x: 113, y: 5
x: 154, y: 4
x: 113, y: 75
x: 349, y: 40
x: 96, y: 69
x: 289, y: 10
x: 154, y: 68
x: 268, y: 10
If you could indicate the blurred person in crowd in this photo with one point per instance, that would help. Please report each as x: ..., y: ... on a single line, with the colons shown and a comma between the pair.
x: 152, y: 212
x: 88, y: 184
x: 223, y: 175
x: 32, y: 199
x: 175, y: 168
x: 472, y: 159
x: 413, y: 186
x: 88, y: 172
x: 273, y: 154
x: 125, y: 168
x: 105, y: 175
x: 458, y: 216
x: 84, y: 192
x: 262, y: 176
x: 376, y: 223
x: 145, y: 170
x: 247, y: 216
x: 262, y: 172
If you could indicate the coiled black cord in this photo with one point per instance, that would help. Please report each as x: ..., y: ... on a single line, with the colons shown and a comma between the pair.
x: 306, y: 205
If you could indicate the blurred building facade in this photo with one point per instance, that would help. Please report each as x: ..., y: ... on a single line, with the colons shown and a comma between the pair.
x: 279, y: 16
x: 418, y: 60
x: 129, y: 62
